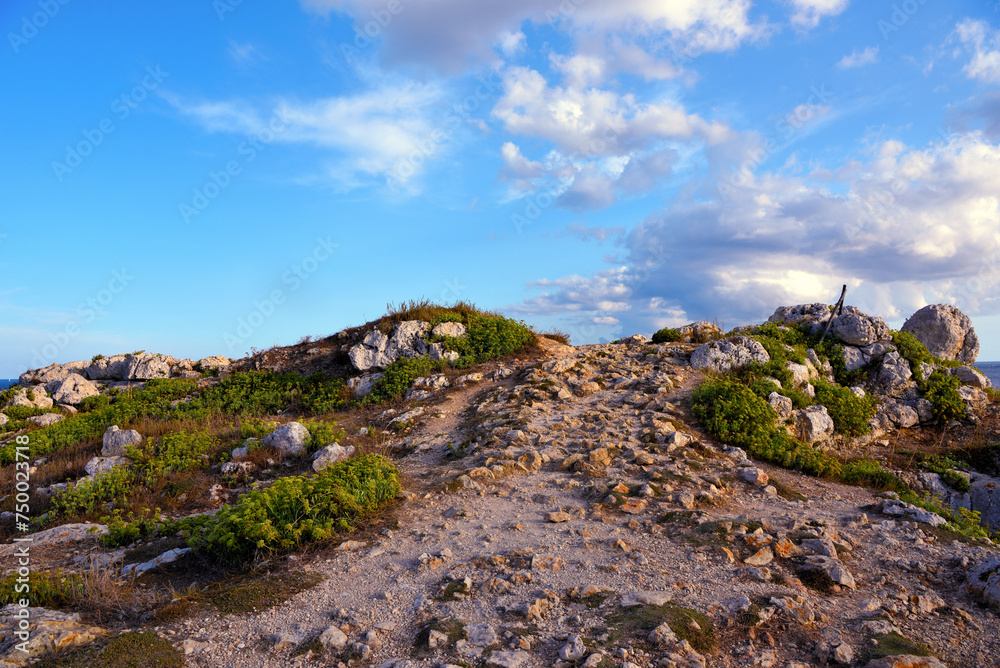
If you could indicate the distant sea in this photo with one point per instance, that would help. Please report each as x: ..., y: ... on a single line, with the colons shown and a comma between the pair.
x: 7, y: 382
x: 992, y: 371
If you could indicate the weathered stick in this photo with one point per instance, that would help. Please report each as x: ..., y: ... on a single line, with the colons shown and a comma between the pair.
x: 837, y: 310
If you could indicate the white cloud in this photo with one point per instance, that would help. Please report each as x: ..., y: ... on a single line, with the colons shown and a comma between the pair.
x: 593, y: 121
x: 908, y: 227
x: 512, y: 43
x: 598, y: 234
x: 368, y: 134
x: 245, y: 54
x: 515, y: 165
x: 449, y: 34
x: 808, y: 13
x: 867, y: 57
x: 984, y: 44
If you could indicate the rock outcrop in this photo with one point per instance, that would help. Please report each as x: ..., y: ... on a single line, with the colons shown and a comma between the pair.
x: 945, y: 331
x: 726, y: 354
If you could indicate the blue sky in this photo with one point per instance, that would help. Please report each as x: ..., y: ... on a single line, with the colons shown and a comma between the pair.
x: 201, y: 178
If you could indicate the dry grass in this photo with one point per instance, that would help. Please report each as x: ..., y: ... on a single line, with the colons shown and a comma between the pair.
x: 556, y: 335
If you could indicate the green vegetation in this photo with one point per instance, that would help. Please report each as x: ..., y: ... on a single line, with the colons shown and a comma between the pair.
x: 850, y: 413
x: 171, y: 453
x: 941, y: 390
x: 251, y: 593
x: 398, y: 377
x: 732, y: 413
x: 90, y: 496
x: 299, y: 509
x: 945, y: 466
x: 489, y: 337
x: 258, y: 393
x: 133, y: 649
x: 892, y: 644
x: 667, y: 335
x: 870, y: 473
x: 686, y: 624
x: 913, y: 352
x: 48, y: 589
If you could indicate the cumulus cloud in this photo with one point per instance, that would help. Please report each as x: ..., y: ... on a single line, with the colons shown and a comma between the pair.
x: 451, y: 34
x: 978, y: 38
x: 808, y: 13
x: 908, y: 227
x: 367, y: 134
x: 859, y: 59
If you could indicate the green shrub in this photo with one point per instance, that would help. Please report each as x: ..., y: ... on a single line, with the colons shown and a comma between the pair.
x: 296, y: 510
x: 180, y: 451
x: 941, y: 390
x: 398, y: 377
x: 945, y: 466
x: 89, y: 496
x: 258, y: 393
x: 48, y: 589
x: 734, y: 414
x: 125, y: 530
x: 492, y: 337
x: 870, y: 473
x: 912, y: 351
x: 667, y: 335
x: 850, y: 413
x: 322, y: 434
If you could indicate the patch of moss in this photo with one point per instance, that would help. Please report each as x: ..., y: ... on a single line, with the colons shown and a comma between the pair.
x: 252, y: 594
x: 893, y: 644
x: 686, y: 624
x: 129, y: 650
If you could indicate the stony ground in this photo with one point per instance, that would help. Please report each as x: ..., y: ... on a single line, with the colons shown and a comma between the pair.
x: 561, y: 513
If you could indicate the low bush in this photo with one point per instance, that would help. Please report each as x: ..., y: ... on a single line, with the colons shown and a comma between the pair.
x: 90, y: 496
x: 398, y: 377
x: 912, y: 351
x: 849, y: 412
x: 180, y: 451
x: 941, y: 389
x: 734, y: 414
x: 667, y: 335
x: 870, y: 473
x: 299, y: 509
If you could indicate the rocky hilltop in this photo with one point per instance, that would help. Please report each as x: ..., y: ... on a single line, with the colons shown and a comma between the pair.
x: 445, y: 487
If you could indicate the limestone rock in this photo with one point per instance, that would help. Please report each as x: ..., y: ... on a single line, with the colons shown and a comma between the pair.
x: 45, y: 420
x: 213, y: 362
x: 116, y: 441
x: 700, y: 332
x: 335, y: 638
x: 73, y: 390
x: 813, y: 424
x: 983, y: 580
x: 99, y: 465
x: 52, y: 630
x: 858, y: 329
x: 361, y: 386
x: 454, y: 330
x: 945, y: 331
x: 379, y: 351
x: 781, y: 404
x: 662, y: 636
x: 967, y: 375
x: 31, y: 397
x: 726, y: 354
x: 894, y: 373
x: 167, y: 557
x: 288, y: 439
x: 330, y: 455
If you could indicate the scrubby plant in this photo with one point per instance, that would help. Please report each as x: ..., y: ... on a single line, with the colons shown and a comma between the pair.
x: 849, y: 412
x: 941, y: 389
x: 299, y: 509
x: 89, y: 496
x: 734, y: 414
x: 870, y: 473
x: 398, y: 377
x: 667, y: 335
x: 913, y: 351
x: 180, y: 451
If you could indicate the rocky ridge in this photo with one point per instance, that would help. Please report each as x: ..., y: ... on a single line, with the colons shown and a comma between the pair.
x: 569, y: 510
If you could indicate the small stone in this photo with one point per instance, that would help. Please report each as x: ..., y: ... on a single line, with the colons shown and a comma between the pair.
x: 761, y: 557
x: 662, y: 635
x: 557, y: 517
x: 573, y: 650
x: 334, y: 637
